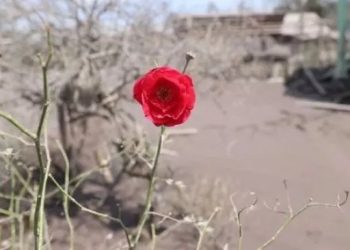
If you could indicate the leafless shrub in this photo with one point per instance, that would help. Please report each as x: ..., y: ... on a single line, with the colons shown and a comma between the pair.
x: 100, y: 48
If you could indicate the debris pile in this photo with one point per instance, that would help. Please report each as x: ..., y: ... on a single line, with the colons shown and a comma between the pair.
x: 319, y: 83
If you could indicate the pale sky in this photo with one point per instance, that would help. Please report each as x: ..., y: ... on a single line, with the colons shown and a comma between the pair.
x: 200, y: 6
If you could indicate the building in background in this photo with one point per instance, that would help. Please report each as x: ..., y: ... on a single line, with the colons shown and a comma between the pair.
x: 285, y: 40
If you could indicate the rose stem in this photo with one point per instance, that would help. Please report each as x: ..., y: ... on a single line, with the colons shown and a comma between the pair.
x: 151, y: 185
x: 150, y: 189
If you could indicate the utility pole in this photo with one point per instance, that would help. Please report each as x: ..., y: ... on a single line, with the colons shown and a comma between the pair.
x: 342, y: 19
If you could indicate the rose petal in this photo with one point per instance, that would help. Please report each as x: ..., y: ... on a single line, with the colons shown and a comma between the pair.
x: 170, y: 112
x: 138, y: 90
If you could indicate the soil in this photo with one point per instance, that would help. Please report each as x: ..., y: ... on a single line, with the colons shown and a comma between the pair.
x: 254, y: 136
x: 251, y: 137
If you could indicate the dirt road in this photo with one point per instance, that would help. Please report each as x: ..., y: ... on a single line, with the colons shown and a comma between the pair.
x: 252, y: 136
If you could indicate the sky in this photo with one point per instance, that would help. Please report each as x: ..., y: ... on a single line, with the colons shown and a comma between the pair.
x: 200, y: 6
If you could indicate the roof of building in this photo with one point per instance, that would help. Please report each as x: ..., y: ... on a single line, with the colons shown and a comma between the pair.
x: 304, y: 26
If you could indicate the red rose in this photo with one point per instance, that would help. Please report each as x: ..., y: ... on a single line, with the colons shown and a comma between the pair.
x: 166, y: 96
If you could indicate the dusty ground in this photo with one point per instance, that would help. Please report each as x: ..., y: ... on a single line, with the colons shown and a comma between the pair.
x: 253, y: 137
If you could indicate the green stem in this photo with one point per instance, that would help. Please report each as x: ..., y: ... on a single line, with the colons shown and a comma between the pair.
x: 154, y: 240
x: 12, y: 208
x: 65, y: 197
x: 18, y: 211
x: 36, y: 138
x: 150, y: 190
x: 44, y: 168
x: 40, y: 198
x: 17, y: 125
x: 39, y: 215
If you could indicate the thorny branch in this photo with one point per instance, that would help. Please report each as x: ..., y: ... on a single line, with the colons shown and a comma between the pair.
x: 237, y: 217
x: 292, y: 214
